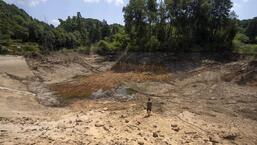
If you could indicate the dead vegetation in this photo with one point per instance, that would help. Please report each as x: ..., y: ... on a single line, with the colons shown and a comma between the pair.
x: 83, y: 87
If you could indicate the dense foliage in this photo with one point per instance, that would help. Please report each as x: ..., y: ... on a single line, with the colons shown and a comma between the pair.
x: 246, y: 39
x: 17, y: 27
x: 150, y: 25
x: 249, y: 28
x: 16, y: 24
x: 180, y: 25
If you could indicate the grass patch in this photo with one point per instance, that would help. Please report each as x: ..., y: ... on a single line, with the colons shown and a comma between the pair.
x: 16, y: 47
x: 241, y: 46
x: 250, y: 49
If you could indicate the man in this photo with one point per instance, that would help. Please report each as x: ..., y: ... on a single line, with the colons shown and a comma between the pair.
x: 149, y: 106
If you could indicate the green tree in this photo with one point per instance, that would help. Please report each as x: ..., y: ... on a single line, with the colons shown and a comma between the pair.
x: 161, y: 26
x: 251, y: 30
x: 135, y: 14
x: 105, y: 30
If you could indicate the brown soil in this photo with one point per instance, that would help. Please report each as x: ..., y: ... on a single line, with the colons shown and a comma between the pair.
x: 85, y: 86
x: 205, y: 102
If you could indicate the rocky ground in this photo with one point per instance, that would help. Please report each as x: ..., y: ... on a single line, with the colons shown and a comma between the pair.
x: 77, y: 99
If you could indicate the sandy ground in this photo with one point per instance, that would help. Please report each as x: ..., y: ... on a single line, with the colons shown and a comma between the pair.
x: 204, y: 105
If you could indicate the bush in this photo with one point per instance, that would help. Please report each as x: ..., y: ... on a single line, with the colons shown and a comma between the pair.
x: 120, y: 41
x: 26, y: 49
x: 104, y: 47
x: 3, y: 50
x: 241, y: 37
x: 84, y: 50
x: 240, y: 45
x: 250, y: 49
x: 242, y: 48
x: 30, y: 49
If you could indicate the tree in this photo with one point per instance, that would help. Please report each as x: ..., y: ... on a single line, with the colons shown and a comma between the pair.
x: 251, y: 30
x: 105, y: 31
x: 135, y: 14
x: 179, y: 25
x: 47, y: 41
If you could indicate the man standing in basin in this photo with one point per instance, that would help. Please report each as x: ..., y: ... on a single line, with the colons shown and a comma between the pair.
x: 149, y: 106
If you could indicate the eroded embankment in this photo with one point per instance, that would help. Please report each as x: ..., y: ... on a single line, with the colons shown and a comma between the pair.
x: 194, y: 102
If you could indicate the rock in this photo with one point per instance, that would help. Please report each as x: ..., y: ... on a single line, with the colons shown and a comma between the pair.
x: 3, y: 130
x: 60, y: 125
x: 173, y: 125
x: 78, y: 120
x: 123, y: 116
x: 215, y: 138
x: 140, y: 134
x: 190, y: 132
x: 161, y: 135
x: 88, y: 121
x: 126, y: 121
x: 155, y: 134
x: 100, y: 94
x: 99, y: 125
x: 177, y: 129
x: 127, y: 130
x: 138, y: 123
x: 124, y: 93
x: 154, y: 126
x: 140, y: 143
x: 230, y: 135
x: 213, y: 98
x: 106, y: 129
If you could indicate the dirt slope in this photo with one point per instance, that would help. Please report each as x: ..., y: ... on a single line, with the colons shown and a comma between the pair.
x: 193, y: 103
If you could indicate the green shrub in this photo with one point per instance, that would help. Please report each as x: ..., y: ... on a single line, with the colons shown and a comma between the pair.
x: 104, y: 47
x: 29, y: 49
x: 3, y: 50
x: 120, y: 41
x: 241, y: 37
x: 66, y: 50
x: 242, y: 48
x: 84, y: 50
x: 26, y: 49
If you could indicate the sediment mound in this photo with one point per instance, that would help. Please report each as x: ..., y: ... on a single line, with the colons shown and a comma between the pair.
x: 244, y: 73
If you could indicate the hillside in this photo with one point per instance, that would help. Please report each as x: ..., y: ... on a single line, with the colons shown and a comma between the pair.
x: 21, y: 34
x: 151, y: 32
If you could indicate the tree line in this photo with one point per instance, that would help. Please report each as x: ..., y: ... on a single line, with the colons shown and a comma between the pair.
x: 180, y: 25
x: 74, y: 32
x: 249, y: 29
x: 150, y: 25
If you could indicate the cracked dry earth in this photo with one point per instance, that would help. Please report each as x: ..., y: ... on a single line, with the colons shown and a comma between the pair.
x: 210, y: 104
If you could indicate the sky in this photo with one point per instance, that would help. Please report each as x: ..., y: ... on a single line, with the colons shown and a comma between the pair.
x: 111, y: 10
